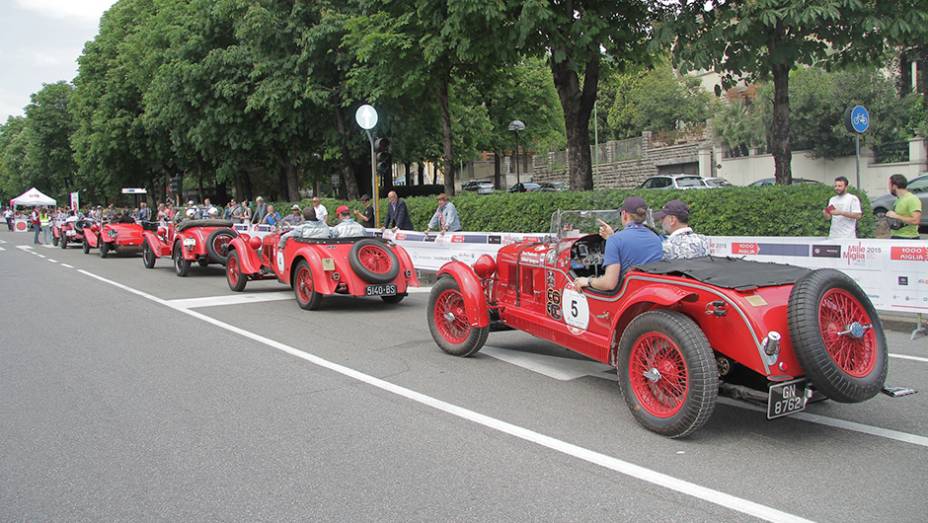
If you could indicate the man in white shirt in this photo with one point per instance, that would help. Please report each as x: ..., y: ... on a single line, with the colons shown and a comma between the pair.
x: 843, y: 210
x: 321, y: 213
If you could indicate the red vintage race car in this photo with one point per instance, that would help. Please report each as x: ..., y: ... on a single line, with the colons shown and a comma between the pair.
x: 316, y: 268
x: 679, y: 332
x: 201, y: 241
x: 121, y: 235
x: 70, y: 232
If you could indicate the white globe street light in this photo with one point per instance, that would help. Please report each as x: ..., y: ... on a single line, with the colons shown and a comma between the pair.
x: 366, y: 116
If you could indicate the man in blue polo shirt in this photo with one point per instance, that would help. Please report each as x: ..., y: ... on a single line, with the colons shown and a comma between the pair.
x: 634, y: 245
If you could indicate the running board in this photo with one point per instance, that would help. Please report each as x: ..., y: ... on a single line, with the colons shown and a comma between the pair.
x: 898, y: 392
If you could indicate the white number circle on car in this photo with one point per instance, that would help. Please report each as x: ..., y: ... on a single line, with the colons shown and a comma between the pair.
x: 575, y: 309
x: 280, y: 261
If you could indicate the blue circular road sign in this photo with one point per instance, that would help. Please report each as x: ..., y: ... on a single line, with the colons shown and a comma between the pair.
x: 858, y: 119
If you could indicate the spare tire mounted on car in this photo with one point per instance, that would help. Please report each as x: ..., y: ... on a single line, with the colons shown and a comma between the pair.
x: 837, y: 336
x: 373, y: 261
x: 217, y: 245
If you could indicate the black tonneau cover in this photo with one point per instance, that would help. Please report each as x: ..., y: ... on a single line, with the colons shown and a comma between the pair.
x: 186, y: 224
x: 729, y: 273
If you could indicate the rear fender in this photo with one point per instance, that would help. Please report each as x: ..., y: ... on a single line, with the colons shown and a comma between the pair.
x: 406, y: 265
x: 159, y: 247
x: 322, y: 283
x: 475, y: 301
x: 91, y: 239
x: 248, y: 259
x: 641, y: 301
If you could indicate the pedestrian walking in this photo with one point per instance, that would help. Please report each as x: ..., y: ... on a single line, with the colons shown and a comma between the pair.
x: 843, y: 210
x: 907, y: 211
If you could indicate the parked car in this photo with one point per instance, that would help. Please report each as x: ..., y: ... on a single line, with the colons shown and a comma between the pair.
x: 917, y: 186
x: 473, y: 185
x: 717, y: 182
x: 315, y: 268
x: 674, y: 181
x: 119, y: 235
x: 201, y: 241
x: 553, y: 187
x: 767, y: 182
x: 678, y: 333
x: 525, y: 187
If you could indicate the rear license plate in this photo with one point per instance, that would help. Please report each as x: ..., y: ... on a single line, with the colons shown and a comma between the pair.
x: 786, y: 398
x: 387, y: 289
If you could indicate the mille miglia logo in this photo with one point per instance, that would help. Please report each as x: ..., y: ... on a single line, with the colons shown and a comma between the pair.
x: 855, y: 254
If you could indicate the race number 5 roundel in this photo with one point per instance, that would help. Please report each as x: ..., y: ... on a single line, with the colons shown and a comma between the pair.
x: 575, y: 309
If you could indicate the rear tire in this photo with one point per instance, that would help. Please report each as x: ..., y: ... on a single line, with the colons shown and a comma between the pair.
x: 64, y: 243
x: 104, y: 247
x: 824, y: 307
x: 181, y: 266
x: 667, y: 373
x: 218, y: 248
x: 448, y: 321
x: 148, y: 256
x: 54, y: 241
x: 234, y: 276
x: 306, y: 295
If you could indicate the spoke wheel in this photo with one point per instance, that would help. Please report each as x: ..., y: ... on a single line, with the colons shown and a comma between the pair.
x: 839, y: 313
x: 449, y: 323
x: 657, y: 371
x: 234, y: 276
x: 148, y: 256
x: 306, y: 295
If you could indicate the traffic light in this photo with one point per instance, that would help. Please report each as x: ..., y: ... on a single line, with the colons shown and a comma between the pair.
x: 384, y: 160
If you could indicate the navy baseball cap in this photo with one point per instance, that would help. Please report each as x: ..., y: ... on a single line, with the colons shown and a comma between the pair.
x: 676, y: 208
x: 635, y: 205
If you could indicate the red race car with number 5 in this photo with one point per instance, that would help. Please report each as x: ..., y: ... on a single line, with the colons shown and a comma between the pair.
x: 679, y: 332
x: 316, y: 268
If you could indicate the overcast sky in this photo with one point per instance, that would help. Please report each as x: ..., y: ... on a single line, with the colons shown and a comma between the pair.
x: 40, y: 41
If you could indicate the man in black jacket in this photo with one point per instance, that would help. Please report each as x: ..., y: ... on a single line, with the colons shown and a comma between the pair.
x: 397, y: 214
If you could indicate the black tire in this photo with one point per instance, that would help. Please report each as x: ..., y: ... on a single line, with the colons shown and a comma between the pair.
x: 393, y: 299
x: 234, y: 276
x: 214, y: 254
x: 811, y: 347
x: 64, y: 243
x: 181, y: 266
x: 306, y: 296
x: 691, y: 348
x: 104, y: 247
x: 455, y: 338
x: 366, y: 274
x: 148, y: 256
x: 54, y: 240
x: 85, y: 247
x: 203, y: 262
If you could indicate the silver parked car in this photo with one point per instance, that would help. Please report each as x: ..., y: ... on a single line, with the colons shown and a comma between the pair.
x: 674, y: 181
x: 917, y: 186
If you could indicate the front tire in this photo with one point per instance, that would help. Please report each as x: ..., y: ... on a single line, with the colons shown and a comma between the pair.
x: 104, y: 247
x: 448, y: 321
x: 667, y: 373
x: 234, y: 276
x: 181, y: 266
x: 64, y: 243
x: 306, y: 295
x: 148, y: 256
x: 837, y: 336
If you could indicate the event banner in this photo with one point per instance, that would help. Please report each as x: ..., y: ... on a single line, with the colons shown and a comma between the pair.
x: 75, y: 201
x: 893, y: 273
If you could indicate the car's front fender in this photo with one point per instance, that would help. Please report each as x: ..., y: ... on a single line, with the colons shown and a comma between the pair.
x: 159, y: 247
x: 248, y: 260
x: 475, y: 301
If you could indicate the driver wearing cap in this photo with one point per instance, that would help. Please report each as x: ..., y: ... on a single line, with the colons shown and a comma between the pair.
x: 634, y: 245
x: 681, y: 243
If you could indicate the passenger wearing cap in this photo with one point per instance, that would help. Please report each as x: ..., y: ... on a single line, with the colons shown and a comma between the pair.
x: 366, y: 219
x: 634, y: 245
x: 294, y: 218
x: 346, y: 227
x: 681, y: 243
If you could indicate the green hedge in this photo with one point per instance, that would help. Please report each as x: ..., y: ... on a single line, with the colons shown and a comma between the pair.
x: 736, y: 211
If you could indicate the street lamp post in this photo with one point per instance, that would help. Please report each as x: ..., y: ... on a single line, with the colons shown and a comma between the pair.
x: 517, y: 126
x: 366, y: 116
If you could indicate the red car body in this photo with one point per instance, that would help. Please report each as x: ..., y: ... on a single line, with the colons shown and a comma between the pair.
x: 112, y: 236
x: 69, y: 232
x: 201, y: 241
x: 675, y: 339
x: 316, y: 268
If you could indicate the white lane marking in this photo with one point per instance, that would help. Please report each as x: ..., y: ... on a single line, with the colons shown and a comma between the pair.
x: 563, y: 369
x: 907, y: 357
x: 2, y: 242
x: 47, y: 246
x: 53, y: 261
x: 566, y: 369
x: 66, y: 265
x: 418, y: 290
x: 230, y: 299
x: 26, y: 248
x: 904, y: 437
x: 623, y: 467
x: 40, y: 255
x: 2, y: 249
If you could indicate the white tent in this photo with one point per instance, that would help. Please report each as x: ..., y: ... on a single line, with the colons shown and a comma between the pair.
x: 33, y: 198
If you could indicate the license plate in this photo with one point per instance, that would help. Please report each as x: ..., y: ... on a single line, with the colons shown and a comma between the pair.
x: 388, y: 289
x: 786, y: 398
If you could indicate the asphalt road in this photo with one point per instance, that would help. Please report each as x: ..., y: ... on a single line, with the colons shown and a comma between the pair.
x: 132, y: 394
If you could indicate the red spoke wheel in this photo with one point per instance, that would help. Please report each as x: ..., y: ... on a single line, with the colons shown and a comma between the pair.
x: 306, y: 295
x: 181, y: 266
x: 217, y: 245
x: 234, y: 276
x: 374, y: 261
x: 449, y: 322
x: 667, y: 372
x: 837, y: 336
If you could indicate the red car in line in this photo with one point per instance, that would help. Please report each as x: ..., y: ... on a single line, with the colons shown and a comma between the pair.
x: 119, y: 235
x: 316, y: 268
x: 678, y: 333
x: 201, y: 241
x: 70, y: 232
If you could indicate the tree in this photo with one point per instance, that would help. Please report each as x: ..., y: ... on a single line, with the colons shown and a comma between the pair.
x: 50, y: 126
x: 766, y: 39
x: 14, y: 145
x: 573, y: 36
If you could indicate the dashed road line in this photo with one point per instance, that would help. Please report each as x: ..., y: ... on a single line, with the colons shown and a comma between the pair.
x: 2, y: 249
x: 229, y: 299
x: 623, y: 467
x: 66, y: 265
x: 41, y: 255
x: 51, y: 260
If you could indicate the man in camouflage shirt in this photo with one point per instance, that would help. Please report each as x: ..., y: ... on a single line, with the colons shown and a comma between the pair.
x: 681, y: 242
